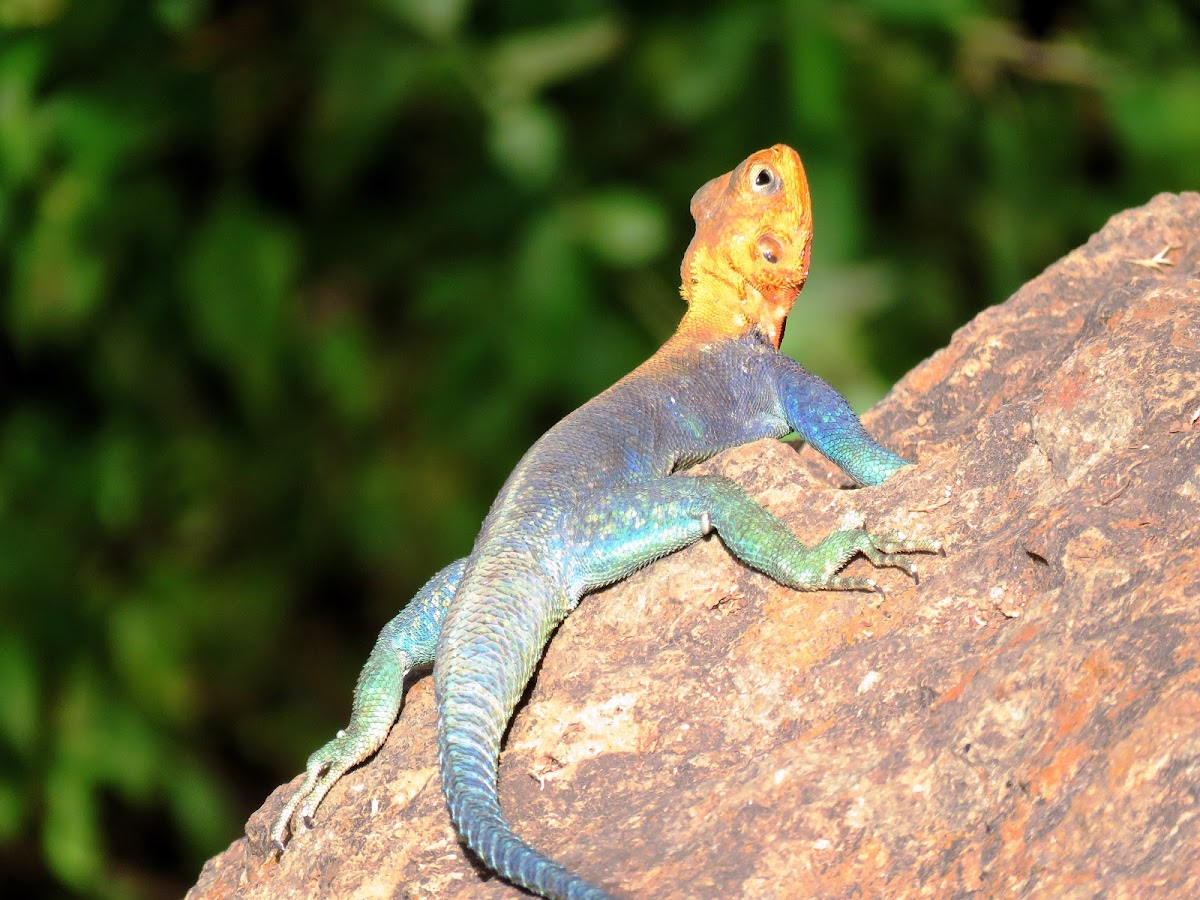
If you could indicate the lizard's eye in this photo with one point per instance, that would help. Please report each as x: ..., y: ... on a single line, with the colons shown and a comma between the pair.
x: 764, y: 180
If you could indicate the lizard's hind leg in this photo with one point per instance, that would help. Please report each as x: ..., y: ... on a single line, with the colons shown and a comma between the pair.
x: 651, y: 519
x: 407, y: 642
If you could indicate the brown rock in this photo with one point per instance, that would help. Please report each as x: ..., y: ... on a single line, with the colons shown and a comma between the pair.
x: 1026, y: 721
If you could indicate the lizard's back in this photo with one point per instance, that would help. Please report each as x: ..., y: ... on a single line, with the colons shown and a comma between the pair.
x: 686, y: 404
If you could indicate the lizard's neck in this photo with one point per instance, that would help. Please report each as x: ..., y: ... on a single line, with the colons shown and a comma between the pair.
x: 722, y: 306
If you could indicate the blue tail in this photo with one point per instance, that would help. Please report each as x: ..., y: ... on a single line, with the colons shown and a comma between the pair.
x: 469, y: 781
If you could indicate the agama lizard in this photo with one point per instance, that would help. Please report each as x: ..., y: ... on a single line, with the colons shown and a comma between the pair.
x: 601, y: 494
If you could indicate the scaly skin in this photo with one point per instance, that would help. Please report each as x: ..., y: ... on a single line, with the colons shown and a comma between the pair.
x: 600, y: 495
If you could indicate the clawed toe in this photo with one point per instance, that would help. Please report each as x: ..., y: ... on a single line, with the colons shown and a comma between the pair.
x: 848, y: 583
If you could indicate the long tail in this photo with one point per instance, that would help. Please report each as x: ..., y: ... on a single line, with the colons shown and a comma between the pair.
x: 490, y: 644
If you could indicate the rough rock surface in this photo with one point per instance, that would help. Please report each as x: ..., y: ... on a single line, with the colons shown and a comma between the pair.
x: 1026, y: 721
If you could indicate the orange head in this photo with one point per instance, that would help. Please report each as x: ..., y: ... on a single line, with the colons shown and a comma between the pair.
x: 749, y: 258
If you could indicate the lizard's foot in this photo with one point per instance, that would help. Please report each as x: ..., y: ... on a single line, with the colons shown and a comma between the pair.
x: 376, y: 704
x: 892, y: 549
x: 323, y: 770
x: 824, y: 561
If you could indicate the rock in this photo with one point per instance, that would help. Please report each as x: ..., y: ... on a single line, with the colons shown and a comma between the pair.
x: 1026, y: 721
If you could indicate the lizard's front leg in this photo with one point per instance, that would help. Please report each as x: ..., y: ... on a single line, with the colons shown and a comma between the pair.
x: 646, y: 521
x: 820, y: 415
x: 407, y: 642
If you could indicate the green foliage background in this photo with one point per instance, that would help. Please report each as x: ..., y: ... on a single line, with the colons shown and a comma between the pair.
x: 287, y: 288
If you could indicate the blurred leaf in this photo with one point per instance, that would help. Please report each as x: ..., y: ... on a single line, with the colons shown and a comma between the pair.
x: 98, y: 140
x: 22, y: 124
x: 238, y: 279
x: 57, y: 280
x: 118, y: 481
x: 1157, y: 117
x: 101, y: 736
x: 525, y: 63
x: 378, y: 508
x: 148, y: 651
x: 199, y: 804
x: 624, y: 227
x: 180, y: 15
x: 943, y: 13
x: 526, y: 140
x: 368, y: 77
x: 21, y: 711
x: 696, y: 68
x: 344, y: 365
x: 436, y: 19
x: 817, y: 71
x: 826, y: 312
x: 12, y: 809
x: 549, y: 286
x: 61, y: 267
x: 30, y: 13
x: 71, y: 841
